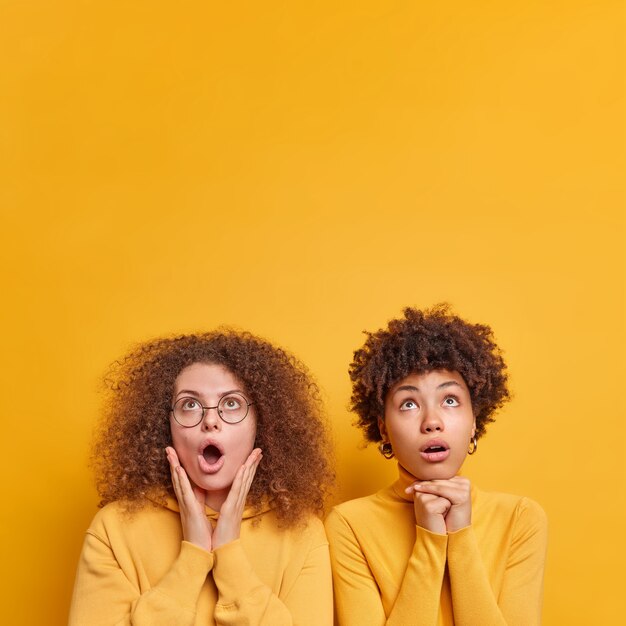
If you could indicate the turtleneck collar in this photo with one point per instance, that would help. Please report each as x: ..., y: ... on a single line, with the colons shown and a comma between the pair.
x: 404, y: 480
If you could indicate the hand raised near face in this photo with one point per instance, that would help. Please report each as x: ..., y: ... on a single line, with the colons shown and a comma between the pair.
x: 456, y: 491
x: 196, y: 527
x: 430, y: 510
x: 229, y: 522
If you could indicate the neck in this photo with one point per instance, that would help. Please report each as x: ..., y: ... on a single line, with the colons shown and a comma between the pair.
x: 215, y: 499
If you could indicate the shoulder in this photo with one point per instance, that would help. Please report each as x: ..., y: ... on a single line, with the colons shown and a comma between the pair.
x: 129, y: 512
x: 522, y: 511
x: 364, y: 512
x: 107, y: 517
x: 118, y: 519
x: 354, y: 508
x: 311, y: 531
x: 306, y: 533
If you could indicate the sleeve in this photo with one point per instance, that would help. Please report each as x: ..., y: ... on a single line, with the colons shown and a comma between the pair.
x: 357, y: 596
x: 244, y: 600
x: 103, y: 595
x: 520, y: 598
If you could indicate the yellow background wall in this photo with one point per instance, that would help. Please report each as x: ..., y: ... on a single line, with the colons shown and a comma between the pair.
x: 305, y: 170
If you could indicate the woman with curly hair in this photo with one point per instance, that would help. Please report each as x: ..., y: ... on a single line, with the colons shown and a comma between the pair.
x: 212, y: 467
x: 431, y: 548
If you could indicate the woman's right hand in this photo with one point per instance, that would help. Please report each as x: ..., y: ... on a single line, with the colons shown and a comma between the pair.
x: 430, y: 510
x: 196, y: 527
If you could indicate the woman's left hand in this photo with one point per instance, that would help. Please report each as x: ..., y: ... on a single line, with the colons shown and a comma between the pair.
x: 196, y: 527
x: 457, y: 491
x: 229, y: 522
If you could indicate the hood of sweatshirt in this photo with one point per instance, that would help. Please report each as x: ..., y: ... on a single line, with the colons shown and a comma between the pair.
x: 172, y: 504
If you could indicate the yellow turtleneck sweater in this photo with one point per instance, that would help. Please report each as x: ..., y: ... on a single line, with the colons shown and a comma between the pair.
x: 388, y: 571
x: 138, y: 570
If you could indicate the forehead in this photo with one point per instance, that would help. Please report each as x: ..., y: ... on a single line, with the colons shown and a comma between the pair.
x: 426, y: 382
x: 207, y: 378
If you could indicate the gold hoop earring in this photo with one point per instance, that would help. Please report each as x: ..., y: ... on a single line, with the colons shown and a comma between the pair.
x: 473, y: 446
x: 384, y: 447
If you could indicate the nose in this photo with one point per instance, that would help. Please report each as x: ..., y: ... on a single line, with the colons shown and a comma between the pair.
x: 211, y: 420
x: 432, y: 422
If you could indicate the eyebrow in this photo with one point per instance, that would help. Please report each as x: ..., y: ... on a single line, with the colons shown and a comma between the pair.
x: 199, y: 395
x: 449, y: 383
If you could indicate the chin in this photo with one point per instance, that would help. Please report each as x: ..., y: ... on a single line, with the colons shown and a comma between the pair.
x: 209, y: 483
x: 437, y: 472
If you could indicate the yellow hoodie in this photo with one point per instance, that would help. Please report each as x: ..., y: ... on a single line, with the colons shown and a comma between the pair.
x: 388, y: 571
x: 136, y: 569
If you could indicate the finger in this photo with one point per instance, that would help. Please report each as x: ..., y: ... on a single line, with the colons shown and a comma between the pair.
x: 243, y: 472
x: 253, y: 458
x: 251, y: 465
x: 173, y: 462
x: 454, y: 492
x: 424, y: 486
x: 230, y: 504
x: 428, y: 486
x: 248, y: 477
x: 178, y: 490
x: 186, y: 489
x: 433, y: 504
x: 180, y: 480
x: 455, y: 481
x: 455, y: 497
x: 237, y: 496
x: 461, y: 480
x: 172, y: 456
x: 172, y: 459
x: 235, y: 501
x: 427, y: 498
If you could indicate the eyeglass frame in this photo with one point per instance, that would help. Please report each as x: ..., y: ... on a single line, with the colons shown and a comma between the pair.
x: 208, y: 408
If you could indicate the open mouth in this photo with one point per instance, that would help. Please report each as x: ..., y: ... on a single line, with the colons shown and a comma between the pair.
x: 435, y: 445
x: 212, y: 454
x: 435, y: 450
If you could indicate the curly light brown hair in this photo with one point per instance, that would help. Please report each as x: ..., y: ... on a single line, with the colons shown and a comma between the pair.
x: 423, y: 341
x: 128, y: 454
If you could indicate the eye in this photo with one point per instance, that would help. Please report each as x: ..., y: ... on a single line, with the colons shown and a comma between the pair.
x: 230, y: 403
x: 451, y: 401
x: 190, y: 404
x: 408, y: 405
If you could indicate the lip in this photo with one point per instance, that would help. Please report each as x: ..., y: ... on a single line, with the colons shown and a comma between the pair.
x: 206, y: 467
x: 435, y: 457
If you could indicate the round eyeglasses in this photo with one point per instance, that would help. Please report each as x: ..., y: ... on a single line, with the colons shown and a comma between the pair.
x: 232, y: 408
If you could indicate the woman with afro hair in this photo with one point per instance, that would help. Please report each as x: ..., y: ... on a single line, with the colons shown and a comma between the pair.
x: 212, y: 465
x: 431, y: 548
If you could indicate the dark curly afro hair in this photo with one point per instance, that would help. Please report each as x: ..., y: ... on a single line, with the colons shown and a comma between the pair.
x: 423, y: 341
x: 128, y: 454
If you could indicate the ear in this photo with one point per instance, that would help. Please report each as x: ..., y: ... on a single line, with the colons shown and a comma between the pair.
x: 473, y: 429
x: 382, y: 429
